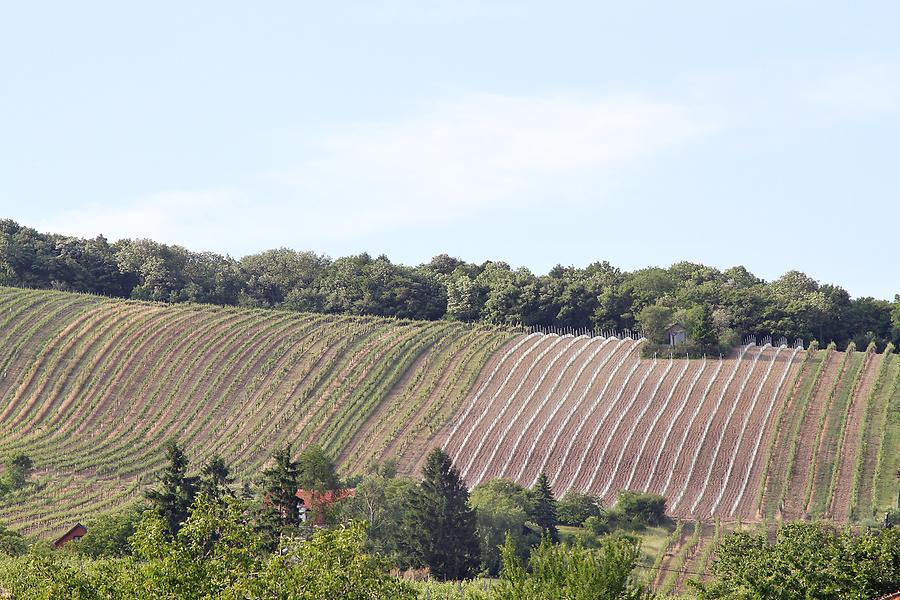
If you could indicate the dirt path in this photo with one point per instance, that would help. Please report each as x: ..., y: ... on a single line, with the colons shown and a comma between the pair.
x: 501, y: 381
x: 576, y: 435
x: 603, y: 431
x: 693, y: 567
x: 568, y: 406
x: 667, y: 446
x: 533, y: 419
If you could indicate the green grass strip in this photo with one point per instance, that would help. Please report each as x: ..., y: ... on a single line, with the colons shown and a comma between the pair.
x: 794, y: 391
x: 801, y: 411
x: 820, y: 431
x: 855, y: 500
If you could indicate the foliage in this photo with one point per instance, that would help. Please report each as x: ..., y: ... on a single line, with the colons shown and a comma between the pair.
x: 654, y: 321
x: 109, y: 534
x: 316, y: 470
x: 807, y: 560
x: 440, y: 523
x: 502, y: 509
x: 215, y: 479
x: 544, y: 508
x: 331, y: 564
x: 576, y: 507
x: 176, y: 490
x: 18, y: 468
x: 215, y: 555
x: 718, y: 306
x: 279, y: 511
x: 559, y: 571
x: 640, y: 510
x: 381, y: 500
x: 11, y: 542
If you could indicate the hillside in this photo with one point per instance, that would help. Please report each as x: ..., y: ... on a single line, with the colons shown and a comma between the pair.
x: 766, y: 432
x: 91, y: 387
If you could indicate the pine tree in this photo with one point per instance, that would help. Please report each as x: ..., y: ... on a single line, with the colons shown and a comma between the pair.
x: 544, y: 512
x: 215, y: 479
x: 176, y: 494
x: 279, y: 512
x: 440, y: 522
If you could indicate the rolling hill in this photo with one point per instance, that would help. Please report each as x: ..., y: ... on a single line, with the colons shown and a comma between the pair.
x: 90, y: 387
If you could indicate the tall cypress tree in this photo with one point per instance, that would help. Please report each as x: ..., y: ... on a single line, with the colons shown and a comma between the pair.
x: 176, y: 493
x: 440, y: 522
x: 544, y: 512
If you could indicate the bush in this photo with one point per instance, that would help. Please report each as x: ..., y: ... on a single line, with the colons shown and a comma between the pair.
x: 807, y: 560
x: 576, y: 507
x: 559, y: 571
x: 12, y: 543
x: 109, y: 535
x: 640, y: 510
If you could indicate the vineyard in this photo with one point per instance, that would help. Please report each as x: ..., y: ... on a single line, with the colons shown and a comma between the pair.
x: 91, y: 387
x: 769, y: 432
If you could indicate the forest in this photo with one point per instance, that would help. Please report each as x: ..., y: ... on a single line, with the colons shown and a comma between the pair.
x: 718, y: 307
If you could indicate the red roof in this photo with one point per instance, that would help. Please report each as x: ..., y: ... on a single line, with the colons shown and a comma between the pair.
x: 313, y: 498
x: 77, y: 532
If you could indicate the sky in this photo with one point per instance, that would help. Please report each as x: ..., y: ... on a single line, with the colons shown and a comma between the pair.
x: 761, y: 134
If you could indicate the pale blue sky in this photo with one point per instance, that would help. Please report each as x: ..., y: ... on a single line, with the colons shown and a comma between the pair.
x: 643, y: 133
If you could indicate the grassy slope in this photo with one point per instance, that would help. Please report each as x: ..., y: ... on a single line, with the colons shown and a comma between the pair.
x: 92, y: 386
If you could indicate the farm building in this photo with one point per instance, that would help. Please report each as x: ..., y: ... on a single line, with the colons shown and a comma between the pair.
x: 677, y: 334
x: 317, y: 502
x: 73, y: 535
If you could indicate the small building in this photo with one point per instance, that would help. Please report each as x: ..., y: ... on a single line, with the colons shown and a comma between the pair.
x: 894, y: 596
x: 311, y: 500
x: 73, y: 535
x: 677, y: 334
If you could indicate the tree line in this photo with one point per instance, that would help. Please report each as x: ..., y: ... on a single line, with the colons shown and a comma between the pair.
x: 718, y: 307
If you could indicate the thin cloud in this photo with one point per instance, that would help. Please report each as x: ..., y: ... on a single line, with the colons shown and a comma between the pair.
x: 188, y: 218
x: 478, y: 153
x: 457, y: 160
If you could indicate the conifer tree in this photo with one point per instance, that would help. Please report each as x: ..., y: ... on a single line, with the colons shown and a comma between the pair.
x: 176, y: 493
x: 544, y: 512
x: 215, y: 479
x: 278, y: 486
x: 440, y: 522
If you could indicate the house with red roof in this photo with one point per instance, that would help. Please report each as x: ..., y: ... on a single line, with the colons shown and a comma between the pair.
x: 73, y: 535
x: 317, y: 503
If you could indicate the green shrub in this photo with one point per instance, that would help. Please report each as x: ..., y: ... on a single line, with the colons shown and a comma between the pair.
x: 640, y: 510
x: 576, y: 507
